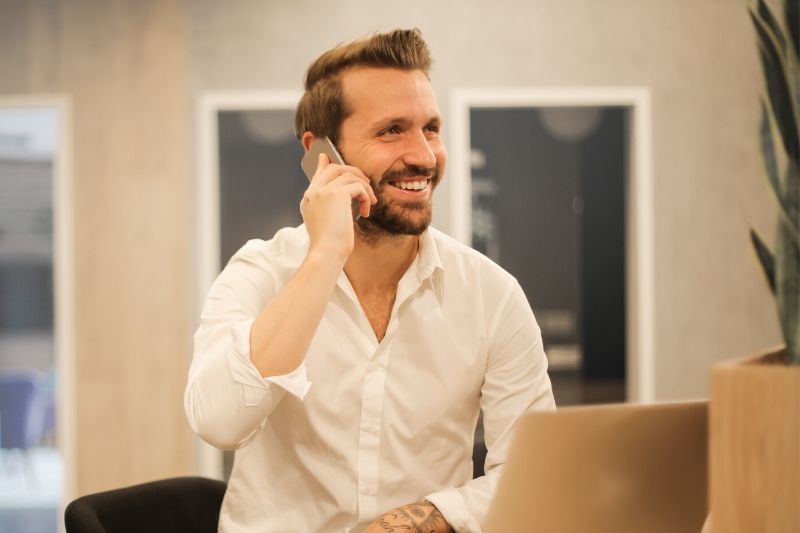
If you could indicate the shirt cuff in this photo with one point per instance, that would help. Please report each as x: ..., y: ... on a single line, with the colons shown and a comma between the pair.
x: 452, y: 506
x: 295, y: 382
x: 244, y: 371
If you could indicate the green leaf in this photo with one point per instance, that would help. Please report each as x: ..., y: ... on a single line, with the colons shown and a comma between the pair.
x: 780, y: 95
x: 792, y: 176
x: 770, y: 163
x: 768, y: 18
x: 787, y: 274
x: 792, y: 13
x: 765, y: 259
x: 786, y: 289
x: 768, y: 152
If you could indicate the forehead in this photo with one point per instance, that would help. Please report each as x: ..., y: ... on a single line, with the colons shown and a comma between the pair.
x: 376, y: 93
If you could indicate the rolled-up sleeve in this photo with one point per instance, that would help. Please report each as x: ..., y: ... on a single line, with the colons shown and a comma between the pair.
x: 226, y: 399
x: 516, y: 382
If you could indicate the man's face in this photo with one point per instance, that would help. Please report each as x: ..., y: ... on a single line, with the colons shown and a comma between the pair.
x: 393, y: 136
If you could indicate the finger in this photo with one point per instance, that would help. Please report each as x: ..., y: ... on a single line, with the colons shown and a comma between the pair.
x: 333, y: 171
x: 357, y: 173
x: 366, y: 181
x: 371, y: 198
x: 345, y: 178
x: 363, y: 195
x: 326, y: 171
x: 322, y: 163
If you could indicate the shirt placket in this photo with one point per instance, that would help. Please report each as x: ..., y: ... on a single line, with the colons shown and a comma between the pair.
x: 369, y: 434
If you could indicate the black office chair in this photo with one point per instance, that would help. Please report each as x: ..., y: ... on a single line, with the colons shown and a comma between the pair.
x: 185, y: 504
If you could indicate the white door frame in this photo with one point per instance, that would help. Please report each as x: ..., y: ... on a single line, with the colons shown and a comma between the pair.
x: 63, y: 281
x: 639, y: 184
x: 207, y: 217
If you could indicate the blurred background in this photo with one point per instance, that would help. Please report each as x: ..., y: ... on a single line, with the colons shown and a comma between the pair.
x: 605, y: 153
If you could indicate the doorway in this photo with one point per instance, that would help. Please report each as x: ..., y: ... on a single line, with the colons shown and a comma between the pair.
x: 555, y: 186
x: 36, y: 314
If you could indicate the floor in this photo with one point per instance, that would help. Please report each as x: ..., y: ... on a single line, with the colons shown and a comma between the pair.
x: 30, y: 490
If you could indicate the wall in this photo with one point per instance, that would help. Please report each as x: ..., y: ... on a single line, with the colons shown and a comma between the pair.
x: 125, y: 67
x: 698, y: 59
x: 133, y: 68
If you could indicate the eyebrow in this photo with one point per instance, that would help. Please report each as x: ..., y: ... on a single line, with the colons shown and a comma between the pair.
x: 436, y: 119
x: 403, y: 121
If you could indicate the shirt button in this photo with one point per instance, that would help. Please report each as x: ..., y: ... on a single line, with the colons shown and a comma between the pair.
x: 367, y: 491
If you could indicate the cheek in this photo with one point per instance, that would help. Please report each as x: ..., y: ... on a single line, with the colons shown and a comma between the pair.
x: 380, y: 160
x: 438, y: 149
x: 441, y: 157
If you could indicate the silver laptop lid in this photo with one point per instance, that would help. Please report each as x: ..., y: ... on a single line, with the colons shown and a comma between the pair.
x: 610, y: 468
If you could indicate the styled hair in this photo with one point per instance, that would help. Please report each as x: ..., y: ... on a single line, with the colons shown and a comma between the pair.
x: 323, y: 108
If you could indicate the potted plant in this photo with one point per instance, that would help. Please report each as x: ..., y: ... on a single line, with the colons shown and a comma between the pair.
x: 755, y: 402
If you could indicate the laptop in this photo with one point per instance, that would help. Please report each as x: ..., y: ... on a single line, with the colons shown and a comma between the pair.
x: 608, y: 468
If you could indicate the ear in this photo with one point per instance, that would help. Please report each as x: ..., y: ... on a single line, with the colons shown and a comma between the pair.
x: 307, y: 139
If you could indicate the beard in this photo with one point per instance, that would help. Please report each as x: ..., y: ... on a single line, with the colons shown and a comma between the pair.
x: 391, y: 219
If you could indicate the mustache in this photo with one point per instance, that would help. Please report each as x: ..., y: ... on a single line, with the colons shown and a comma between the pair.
x: 411, y: 171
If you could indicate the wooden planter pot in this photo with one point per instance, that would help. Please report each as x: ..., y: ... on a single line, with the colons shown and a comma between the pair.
x: 755, y: 445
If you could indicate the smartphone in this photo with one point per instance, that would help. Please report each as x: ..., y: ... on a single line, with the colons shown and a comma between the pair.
x: 309, y: 163
x: 319, y: 146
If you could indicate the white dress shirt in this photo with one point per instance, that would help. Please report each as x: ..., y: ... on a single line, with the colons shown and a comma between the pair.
x: 362, y: 426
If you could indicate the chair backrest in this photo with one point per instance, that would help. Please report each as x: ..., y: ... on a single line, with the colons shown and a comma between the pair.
x: 21, y: 408
x: 185, y: 504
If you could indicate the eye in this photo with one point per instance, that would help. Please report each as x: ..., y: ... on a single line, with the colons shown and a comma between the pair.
x: 433, y: 127
x: 391, y: 130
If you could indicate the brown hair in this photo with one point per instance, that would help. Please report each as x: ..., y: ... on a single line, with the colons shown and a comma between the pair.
x: 322, y: 109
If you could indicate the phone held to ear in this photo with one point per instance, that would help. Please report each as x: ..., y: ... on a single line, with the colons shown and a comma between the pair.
x: 309, y: 163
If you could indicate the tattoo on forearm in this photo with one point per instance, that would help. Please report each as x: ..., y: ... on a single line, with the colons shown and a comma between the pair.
x: 434, y: 522
x: 416, y: 511
x: 393, y: 527
x: 421, y: 517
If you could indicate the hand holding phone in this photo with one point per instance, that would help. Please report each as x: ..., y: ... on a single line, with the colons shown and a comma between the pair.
x: 309, y: 163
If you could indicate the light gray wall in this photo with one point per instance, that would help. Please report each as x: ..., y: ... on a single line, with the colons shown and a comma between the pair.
x: 697, y: 58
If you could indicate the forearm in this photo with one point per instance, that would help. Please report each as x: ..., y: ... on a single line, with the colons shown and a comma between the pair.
x: 282, y: 332
x: 422, y: 517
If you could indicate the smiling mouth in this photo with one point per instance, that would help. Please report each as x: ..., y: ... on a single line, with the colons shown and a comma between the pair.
x: 408, y: 185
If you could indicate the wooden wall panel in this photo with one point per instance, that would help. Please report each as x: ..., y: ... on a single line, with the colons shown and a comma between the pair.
x: 125, y: 66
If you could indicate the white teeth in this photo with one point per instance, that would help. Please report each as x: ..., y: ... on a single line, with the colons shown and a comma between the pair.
x: 411, y: 185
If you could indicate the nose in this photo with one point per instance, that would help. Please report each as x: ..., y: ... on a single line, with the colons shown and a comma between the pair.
x: 419, y: 151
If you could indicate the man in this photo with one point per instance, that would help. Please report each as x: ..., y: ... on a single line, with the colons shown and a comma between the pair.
x: 347, y: 363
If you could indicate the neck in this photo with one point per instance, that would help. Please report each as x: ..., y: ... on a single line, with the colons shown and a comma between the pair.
x: 380, y: 263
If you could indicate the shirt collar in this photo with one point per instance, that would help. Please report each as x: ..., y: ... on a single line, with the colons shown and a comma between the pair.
x: 429, y: 262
